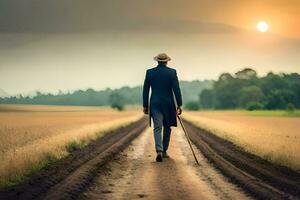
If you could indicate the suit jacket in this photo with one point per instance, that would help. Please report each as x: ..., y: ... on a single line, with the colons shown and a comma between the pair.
x: 163, y: 82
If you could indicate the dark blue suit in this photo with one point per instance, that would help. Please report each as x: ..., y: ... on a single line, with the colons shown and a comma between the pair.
x: 163, y: 82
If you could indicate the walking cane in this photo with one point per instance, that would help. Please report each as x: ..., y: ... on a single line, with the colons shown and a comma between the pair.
x: 188, y: 139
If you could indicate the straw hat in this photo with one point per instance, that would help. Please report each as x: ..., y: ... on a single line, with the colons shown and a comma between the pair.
x: 162, y: 57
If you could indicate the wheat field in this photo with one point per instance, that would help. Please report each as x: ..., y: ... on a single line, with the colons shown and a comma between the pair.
x: 276, y: 139
x: 31, y: 133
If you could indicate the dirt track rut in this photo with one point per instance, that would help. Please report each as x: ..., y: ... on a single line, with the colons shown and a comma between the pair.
x: 134, y: 174
x: 260, y: 178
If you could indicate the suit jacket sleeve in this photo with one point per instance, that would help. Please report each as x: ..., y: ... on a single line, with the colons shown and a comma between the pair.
x: 176, y: 90
x: 146, y: 90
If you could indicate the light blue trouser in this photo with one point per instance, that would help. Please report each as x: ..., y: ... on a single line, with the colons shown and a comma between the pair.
x: 160, y: 144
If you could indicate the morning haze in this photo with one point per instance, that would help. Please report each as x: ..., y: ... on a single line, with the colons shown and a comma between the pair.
x: 70, y: 44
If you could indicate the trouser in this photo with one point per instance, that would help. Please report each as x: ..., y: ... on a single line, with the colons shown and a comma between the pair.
x: 161, y: 144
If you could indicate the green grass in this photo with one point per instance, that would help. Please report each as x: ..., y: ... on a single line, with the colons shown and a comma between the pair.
x: 49, y: 159
x: 274, y: 113
x: 18, y: 178
x: 73, y: 145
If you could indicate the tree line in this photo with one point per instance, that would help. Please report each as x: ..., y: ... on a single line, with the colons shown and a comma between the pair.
x: 116, y: 98
x: 243, y: 90
x: 246, y: 90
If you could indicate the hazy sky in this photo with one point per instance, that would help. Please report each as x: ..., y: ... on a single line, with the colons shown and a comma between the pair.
x: 76, y: 44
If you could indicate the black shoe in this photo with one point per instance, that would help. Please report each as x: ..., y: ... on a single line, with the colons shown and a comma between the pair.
x: 165, y: 155
x: 159, y: 157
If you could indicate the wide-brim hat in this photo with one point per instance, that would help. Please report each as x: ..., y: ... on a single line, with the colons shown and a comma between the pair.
x: 162, y: 57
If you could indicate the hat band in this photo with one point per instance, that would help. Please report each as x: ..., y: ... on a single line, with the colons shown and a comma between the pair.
x: 160, y: 58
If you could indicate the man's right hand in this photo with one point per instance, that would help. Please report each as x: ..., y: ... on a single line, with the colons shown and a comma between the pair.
x: 145, y: 110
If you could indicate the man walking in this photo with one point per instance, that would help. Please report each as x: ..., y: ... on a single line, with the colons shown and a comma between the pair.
x: 163, y: 82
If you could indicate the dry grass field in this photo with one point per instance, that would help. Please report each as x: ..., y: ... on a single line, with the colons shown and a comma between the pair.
x: 274, y: 138
x: 30, y: 135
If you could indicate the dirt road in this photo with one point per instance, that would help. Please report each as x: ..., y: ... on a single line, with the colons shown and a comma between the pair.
x: 121, y: 165
x: 134, y: 174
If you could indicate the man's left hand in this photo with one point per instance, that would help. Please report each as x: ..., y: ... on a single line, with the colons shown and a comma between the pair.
x: 145, y: 110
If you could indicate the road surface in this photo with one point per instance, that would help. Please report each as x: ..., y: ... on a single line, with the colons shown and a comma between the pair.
x: 134, y: 174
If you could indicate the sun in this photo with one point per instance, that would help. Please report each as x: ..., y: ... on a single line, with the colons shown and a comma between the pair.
x: 262, y: 26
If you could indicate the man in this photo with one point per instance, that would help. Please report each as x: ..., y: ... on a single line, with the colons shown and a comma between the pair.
x: 163, y: 82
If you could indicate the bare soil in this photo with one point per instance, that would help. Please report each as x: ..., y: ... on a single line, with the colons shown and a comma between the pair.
x: 135, y: 174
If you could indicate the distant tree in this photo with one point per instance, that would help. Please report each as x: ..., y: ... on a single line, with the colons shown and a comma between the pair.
x: 250, y: 94
x: 38, y: 93
x: 225, y: 77
x: 207, y: 98
x: 246, y: 73
x: 290, y: 107
x: 279, y: 99
x: 192, y: 105
x: 117, y: 101
x: 191, y: 89
x: 60, y: 92
x: 273, y: 81
x: 254, y: 106
x: 226, y: 93
x: 293, y: 81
